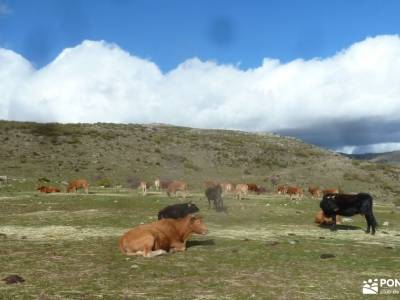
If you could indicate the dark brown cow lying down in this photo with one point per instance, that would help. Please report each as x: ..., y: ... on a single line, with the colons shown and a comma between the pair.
x: 162, y: 236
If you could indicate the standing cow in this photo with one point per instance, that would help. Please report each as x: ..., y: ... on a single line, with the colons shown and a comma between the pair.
x: 176, y: 186
x: 294, y: 192
x: 227, y: 187
x: 143, y: 187
x: 74, y: 185
x: 314, y: 191
x: 214, y: 194
x: 241, y: 190
x: 157, y: 184
x: 349, y: 205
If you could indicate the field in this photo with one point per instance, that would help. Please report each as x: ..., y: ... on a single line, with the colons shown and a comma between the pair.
x: 264, y: 247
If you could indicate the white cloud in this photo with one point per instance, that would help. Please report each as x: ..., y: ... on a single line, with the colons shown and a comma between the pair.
x: 4, y: 9
x: 97, y: 81
x: 373, y: 148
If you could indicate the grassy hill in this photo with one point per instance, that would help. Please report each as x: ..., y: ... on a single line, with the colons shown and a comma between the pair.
x: 115, y: 153
x: 392, y: 157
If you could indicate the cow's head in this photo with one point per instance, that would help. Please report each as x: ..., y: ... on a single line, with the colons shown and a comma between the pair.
x: 330, y: 196
x: 191, y: 208
x: 197, y: 225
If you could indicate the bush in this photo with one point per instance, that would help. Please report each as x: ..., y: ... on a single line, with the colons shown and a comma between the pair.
x: 106, y: 182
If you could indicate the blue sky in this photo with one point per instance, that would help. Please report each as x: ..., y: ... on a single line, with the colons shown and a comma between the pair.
x: 169, y: 32
x: 327, y: 72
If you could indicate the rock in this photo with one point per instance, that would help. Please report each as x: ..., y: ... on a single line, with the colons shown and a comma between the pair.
x: 13, y: 279
x: 294, y: 242
x: 327, y: 255
x: 386, y: 223
x: 134, y: 267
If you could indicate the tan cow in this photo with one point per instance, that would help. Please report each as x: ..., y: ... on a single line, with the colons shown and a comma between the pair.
x: 241, y: 190
x: 314, y: 191
x: 330, y: 191
x: 157, y: 184
x: 321, y: 219
x: 161, y: 236
x: 74, y: 185
x: 227, y: 187
x: 143, y: 187
x: 294, y: 192
x: 177, y: 185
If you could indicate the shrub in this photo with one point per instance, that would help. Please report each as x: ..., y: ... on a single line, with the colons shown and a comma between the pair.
x: 106, y: 182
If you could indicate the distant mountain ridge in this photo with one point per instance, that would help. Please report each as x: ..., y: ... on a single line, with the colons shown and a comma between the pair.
x: 392, y: 157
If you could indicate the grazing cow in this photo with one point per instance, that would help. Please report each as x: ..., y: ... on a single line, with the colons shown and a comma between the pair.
x: 241, y: 189
x: 177, y: 211
x: 330, y: 191
x: 261, y: 190
x: 314, y: 191
x: 164, y: 184
x: 281, y: 189
x: 161, y: 236
x: 252, y: 187
x: 349, y: 205
x: 143, y: 187
x: 48, y: 189
x: 294, y: 192
x: 321, y: 219
x: 74, y: 185
x: 209, y: 183
x: 177, y: 186
x: 227, y: 187
x: 214, y: 194
x: 157, y: 184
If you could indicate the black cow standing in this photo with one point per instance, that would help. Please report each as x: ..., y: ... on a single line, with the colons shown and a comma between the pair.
x: 177, y: 211
x: 349, y: 205
x: 214, y: 194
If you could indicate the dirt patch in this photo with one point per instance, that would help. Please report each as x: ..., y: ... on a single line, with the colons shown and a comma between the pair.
x: 303, y: 231
x: 59, y: 232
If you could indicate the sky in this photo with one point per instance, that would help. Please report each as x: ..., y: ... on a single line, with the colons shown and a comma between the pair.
x: 327, y: 72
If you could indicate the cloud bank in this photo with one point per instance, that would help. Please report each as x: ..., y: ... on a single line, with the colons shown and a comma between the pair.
x: 351, y: 99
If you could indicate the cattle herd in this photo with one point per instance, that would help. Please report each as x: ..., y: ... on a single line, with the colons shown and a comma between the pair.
x: 177, y: 222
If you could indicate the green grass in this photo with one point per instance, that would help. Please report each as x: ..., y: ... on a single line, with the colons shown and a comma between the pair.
x: 264, y: 247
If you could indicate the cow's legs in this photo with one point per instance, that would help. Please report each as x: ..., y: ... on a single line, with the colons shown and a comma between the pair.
x: 333, y: 226
x: 371, y: 222
x: 155, y: 253
x: 368, y: 219
x: 177, y: 246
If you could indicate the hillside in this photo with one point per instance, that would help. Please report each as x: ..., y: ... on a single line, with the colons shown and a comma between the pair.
x: 119, y: 153
x: 392, y: 157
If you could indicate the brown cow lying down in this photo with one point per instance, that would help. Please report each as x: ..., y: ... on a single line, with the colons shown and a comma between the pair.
x: 321, y: 219
x: 48, y: 189
x: 161, y: 237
